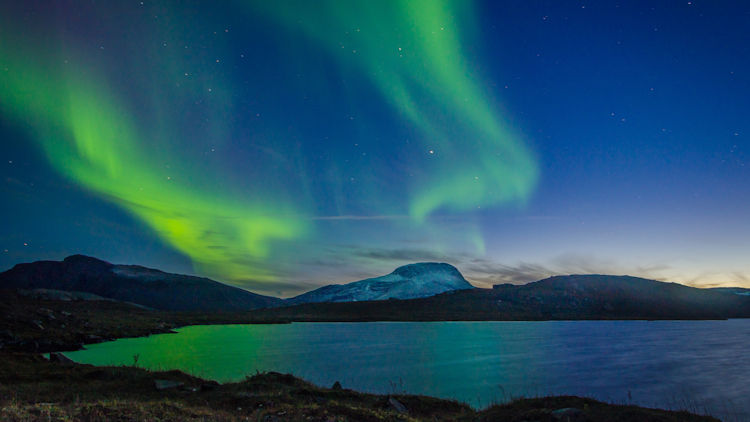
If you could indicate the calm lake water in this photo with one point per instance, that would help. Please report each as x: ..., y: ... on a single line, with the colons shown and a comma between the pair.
x: 668, y: 364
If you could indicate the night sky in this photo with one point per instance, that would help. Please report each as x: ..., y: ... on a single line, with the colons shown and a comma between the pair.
x: 283, y: 145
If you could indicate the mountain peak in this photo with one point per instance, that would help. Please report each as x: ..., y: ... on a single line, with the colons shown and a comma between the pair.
x: 84, y: 259
x: 419, y: 268
x: 86, y: 264
x: 411, y: 281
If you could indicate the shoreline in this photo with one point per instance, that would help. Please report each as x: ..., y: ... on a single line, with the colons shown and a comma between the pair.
x: 216, y: 362
x: 173, y: 330
x: 36, y: 388
x: 33, y: 388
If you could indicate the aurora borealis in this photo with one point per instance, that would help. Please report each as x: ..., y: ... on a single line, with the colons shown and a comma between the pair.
x: 284, y: 145
x: 412, y: 52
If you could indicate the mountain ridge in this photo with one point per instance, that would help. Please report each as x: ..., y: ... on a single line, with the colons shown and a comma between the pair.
x: 129, y: 283
x: 582, y: 296
x: 570, y: 297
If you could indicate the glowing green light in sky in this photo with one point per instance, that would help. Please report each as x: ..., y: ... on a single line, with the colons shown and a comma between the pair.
x: 111, y: 126
x: 413, y: 51
x: 89, y: 137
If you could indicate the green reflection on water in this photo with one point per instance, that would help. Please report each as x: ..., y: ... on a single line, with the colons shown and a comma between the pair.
x: 443, y: 359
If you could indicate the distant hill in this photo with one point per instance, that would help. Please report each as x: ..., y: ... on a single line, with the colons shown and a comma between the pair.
x: 135, y: 284
x: 556, y: 298
x: 407, y: 282
x: 416, y: 292
x: 733, y: 290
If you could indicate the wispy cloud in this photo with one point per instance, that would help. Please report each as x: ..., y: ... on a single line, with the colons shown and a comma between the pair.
x: 359, y: 217
x: 277, y: 288
x: 410, y: 254
x: 487, y: 271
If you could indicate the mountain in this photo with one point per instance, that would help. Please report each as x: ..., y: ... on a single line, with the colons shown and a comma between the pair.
x: 624, y: 297
x: 572, y: 297
x: 733, y: 290
x: 135, y: 284
x: 421, y: 292
x: 407, y: 282
x: 67, y: 296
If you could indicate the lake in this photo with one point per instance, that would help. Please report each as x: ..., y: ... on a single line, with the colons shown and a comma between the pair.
x: 695, y: 365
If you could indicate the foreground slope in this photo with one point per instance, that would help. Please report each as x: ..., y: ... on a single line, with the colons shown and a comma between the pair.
x: 407, y: 282
x: 554, y: 298
x: 130, y: 283
x: 34, y: 389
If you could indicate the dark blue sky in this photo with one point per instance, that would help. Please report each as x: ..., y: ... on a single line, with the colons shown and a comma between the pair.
x: 315, y: 145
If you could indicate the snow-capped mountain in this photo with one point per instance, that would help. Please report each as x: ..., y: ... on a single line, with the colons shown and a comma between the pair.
x: 408, y: 282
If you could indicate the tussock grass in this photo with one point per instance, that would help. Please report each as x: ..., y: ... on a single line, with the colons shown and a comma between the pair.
x: 34, y: 389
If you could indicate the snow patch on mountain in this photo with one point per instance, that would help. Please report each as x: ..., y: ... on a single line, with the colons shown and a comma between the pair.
x: 408, y: 282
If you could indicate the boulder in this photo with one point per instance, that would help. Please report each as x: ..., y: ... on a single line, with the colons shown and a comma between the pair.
x: 397, y: 405
x: 93, y: 338
x: 209, y: 386
x: 567, y: 414
x: 60, y: 358
x: 167, y: 384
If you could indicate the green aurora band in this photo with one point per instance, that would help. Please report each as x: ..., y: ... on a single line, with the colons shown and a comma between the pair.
x: 87, y: 136
x: 411, y: 51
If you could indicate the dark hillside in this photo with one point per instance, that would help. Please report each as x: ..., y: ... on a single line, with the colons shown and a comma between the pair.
x: 128, y: 283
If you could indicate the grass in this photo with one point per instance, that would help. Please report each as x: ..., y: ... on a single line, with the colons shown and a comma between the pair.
x: 34, y: 389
